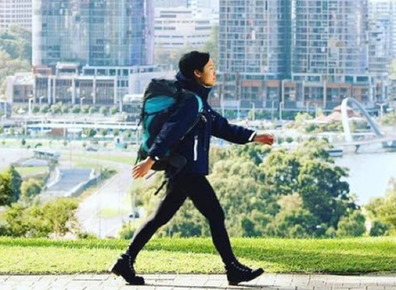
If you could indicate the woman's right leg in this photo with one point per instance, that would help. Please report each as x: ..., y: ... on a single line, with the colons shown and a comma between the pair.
x: 170, y: 204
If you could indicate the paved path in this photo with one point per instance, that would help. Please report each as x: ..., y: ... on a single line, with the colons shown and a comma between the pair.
x: 195, y: 282
x: 113, y: 195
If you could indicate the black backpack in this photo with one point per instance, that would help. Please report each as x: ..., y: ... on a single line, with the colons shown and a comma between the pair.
x: 159, y: 101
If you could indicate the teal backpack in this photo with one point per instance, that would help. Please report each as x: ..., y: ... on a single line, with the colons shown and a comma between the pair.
x: 159, y: 101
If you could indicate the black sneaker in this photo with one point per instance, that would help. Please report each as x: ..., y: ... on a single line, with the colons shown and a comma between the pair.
x: 124, y: 267
x: 237, y: 272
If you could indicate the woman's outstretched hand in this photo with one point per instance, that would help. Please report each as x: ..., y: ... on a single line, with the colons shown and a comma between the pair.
x: 265, y: 138
x: 142, y: 168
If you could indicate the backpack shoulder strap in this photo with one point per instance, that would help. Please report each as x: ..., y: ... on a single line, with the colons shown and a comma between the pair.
x: 200, y: 104
x: 199, y: 100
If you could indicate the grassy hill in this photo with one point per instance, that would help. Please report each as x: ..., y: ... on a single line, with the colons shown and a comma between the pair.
x: 198, y: 255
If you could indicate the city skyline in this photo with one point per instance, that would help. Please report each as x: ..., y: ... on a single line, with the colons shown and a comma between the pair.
x: 296, y: 54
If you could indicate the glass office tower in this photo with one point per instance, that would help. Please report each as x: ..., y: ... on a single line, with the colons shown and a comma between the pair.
x: 93, y: 32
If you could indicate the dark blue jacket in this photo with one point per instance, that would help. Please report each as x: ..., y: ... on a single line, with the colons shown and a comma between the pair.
x: 195, y: 145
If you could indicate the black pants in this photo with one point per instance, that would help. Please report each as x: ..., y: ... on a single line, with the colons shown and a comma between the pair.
x: 201, y: 193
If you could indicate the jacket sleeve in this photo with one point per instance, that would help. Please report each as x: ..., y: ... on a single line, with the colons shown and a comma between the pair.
x: 176, y: 126
x: 232, y: 133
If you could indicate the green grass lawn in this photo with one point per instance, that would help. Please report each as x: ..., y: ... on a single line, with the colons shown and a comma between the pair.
x: 96, y: 165
x: 123, y: 159
x: 112, y: 212
x: 26, y: 171
x: 197, y: 255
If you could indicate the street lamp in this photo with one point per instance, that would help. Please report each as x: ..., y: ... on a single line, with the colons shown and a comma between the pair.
x: 81, y: 102
x: 307, y: 107
x: 30, y: 105
x: 120, y: 105
x: 254, y: 109
x: 42, y: 97
x: 280, y: 110
x: 2, y: 120
x: 222, y: 103
x: 4, y: 107
x: 272, y: 110
x: 381, y: 105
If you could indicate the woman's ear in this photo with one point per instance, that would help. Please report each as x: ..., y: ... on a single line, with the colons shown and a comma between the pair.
x: 197, y: 73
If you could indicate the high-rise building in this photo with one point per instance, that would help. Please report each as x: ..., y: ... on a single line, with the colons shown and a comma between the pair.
x: 255, y: 36
x: 330, y: 38
x: 295, y: 54
x: 171, y: 3
x: 382, y: 34
x: 95, y: 33
x: 176, y: 28
x: 200, y: 4
x: 254, y: 48
x: 16, y: 12
x: 330, y: 53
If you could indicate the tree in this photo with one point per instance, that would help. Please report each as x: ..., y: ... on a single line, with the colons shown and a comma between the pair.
x: 322, y: 191
x: 292, y: 221
x: 30, y: 188
x: 10, y: 66
x: 92, y: 110
x: 212, y: 45
x: 127, y: 231
x: 352, y: 225
x: 76, y: 109
x: 35, y: 109
x: 6, y: 190
x: 56, y: 108
x: 103, y: 132
x: 167, y: 58
x: 55, y: 217
x: 14, y: 220
x: 86, y: 109
x: 170, y: 58
x: 379, y: 229
x: 16, y: 182
x: 89, y: 132
x: 44, y: 109
x: 22, y: 131
x: 381, y: 211
x: 103, y: 111
x: 61, y: 215
x: 64, y: 109
x: 270, y: 193
x: 114, y: 110
x: 17, y: 42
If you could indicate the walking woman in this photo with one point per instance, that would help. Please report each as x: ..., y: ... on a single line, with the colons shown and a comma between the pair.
x: 196, y: 75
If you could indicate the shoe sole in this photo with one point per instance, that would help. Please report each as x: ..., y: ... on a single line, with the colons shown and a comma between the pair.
x: 234, y: 283
x: 112, y: 270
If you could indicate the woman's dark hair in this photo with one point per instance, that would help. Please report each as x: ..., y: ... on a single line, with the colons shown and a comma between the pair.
x: 191, y: 61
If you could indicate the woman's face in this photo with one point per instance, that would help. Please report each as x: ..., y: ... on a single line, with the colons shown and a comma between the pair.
x: 208, y: 76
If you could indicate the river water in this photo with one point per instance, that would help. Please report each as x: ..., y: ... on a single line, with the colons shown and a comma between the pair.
x: 370, y: 173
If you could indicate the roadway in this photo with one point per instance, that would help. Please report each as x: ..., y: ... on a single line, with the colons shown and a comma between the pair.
x: 113, y: 197
x: 67, y: 182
